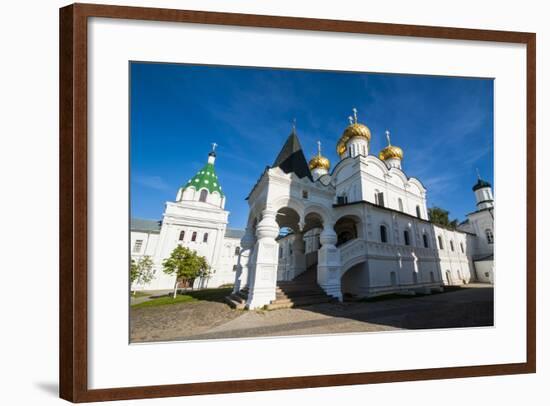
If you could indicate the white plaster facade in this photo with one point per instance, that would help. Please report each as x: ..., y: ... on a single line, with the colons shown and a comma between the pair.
x: 369, y: 219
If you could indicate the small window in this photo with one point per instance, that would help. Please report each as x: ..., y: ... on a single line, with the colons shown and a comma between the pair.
x: 440, y: 242
x: 393, y: 278
x: 462, y: 247
x: 487, y: 274
x: 305, y: 194
x: 432, y: 278
x: 418, y: 212
x: 400, y: 204
x: 383, y: 234
x: 205, y: 237
x: 406, y: 237
x: 452, y: 245
x: 342, y: 199
x: 182, y: 235
x: 415, y: 278
x: 137, y: 245
x: 237, y: 250
x: 280, y: 252
x: 204, y: 194
x: 459, y: 275
x: 235, y: 268
x: 489, y: 235
x: 194, y: 236
x: 379, y: 198
x: 425, y: 239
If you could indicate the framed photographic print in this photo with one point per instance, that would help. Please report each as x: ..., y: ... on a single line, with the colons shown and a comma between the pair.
x: 286, y: 202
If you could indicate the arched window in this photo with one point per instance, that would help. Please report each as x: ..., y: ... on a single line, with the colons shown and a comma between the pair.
x: 400, y: 204
x: 383, y: 234
x: 205, y: 237
x: 237, y: 250
x: 379, y: 198
x: 489, y: 235
x: 182, y: 235
x: 452, y: 245
x: 425, y: 239
x: 406, y: 237
x: 418, y: 212
x: 440, y: 242
x: 204, y: 194
x: 462, y: 247
x: 194, y: 236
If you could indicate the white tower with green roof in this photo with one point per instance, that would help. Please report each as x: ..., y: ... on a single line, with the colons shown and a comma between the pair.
x: 197, y: 220
x: 204, y: 187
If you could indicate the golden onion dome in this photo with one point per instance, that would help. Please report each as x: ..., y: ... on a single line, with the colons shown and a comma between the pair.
x: 319, y: 162
x: 355, y: 129
x: 391, y: 151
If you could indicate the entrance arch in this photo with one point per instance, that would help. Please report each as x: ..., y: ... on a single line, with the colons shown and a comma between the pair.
x: 347, y: 228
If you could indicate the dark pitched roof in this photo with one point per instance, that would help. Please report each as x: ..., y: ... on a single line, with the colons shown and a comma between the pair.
x: 234, y: 233
x: 291, y: 159
x: 481, y: 184
x: 144, y: 225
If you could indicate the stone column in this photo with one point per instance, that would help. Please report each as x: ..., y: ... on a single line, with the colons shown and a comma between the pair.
x: 298, y: 260
x: 263, y: 265
x: 329, y: 266
x: 247, y: 246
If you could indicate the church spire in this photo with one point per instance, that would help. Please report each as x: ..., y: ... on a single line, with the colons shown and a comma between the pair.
x: 291, y: 158
x: 212, y: 154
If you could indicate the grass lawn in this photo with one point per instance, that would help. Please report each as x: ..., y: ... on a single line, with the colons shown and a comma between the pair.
x: 209, y: 295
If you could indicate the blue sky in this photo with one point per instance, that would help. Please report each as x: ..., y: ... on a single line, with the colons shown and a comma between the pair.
x: 443, y: 124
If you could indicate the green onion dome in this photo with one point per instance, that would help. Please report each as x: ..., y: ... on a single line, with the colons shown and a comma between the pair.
x: 207, y: 179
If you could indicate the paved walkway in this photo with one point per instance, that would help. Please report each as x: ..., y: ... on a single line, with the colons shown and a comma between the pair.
x: 469, y: 306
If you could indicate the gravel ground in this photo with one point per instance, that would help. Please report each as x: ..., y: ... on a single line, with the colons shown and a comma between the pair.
x: 471, y: 306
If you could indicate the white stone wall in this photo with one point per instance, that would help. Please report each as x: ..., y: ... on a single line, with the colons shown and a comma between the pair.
x: 485, y: 271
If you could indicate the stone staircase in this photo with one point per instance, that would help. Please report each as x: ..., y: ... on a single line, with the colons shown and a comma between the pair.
x: 301, y: 291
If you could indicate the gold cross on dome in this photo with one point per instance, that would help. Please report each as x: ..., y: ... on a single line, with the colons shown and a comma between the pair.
x: 388, y: 136
x: 214, y: 145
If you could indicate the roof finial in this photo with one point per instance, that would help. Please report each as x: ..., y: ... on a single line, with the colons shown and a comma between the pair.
x: 388, y: 137
x: 478, y: 176
x: 354, y: 114
x: 214, y: 145
x: 350, y: 118
x: 294, y: 125
x: 318, y: 148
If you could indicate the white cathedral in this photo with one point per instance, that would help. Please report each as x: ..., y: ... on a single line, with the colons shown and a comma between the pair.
x: 315, y: 235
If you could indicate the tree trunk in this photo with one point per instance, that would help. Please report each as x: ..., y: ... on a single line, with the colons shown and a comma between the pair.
x: 175, y: 289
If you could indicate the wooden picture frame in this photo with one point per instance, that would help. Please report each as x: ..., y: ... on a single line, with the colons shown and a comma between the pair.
x: 74, y: 201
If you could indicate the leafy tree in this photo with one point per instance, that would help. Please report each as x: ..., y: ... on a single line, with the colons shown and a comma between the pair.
x: 440, y: 216
x: 141, y: 271
x: 186, y: 265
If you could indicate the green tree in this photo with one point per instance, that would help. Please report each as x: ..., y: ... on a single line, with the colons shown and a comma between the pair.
x: 186, y: 265
x: 440, y: 216
x: 141, y: 271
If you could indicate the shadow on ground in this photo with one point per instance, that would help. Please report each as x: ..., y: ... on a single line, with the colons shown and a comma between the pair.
x: 211, y: 318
